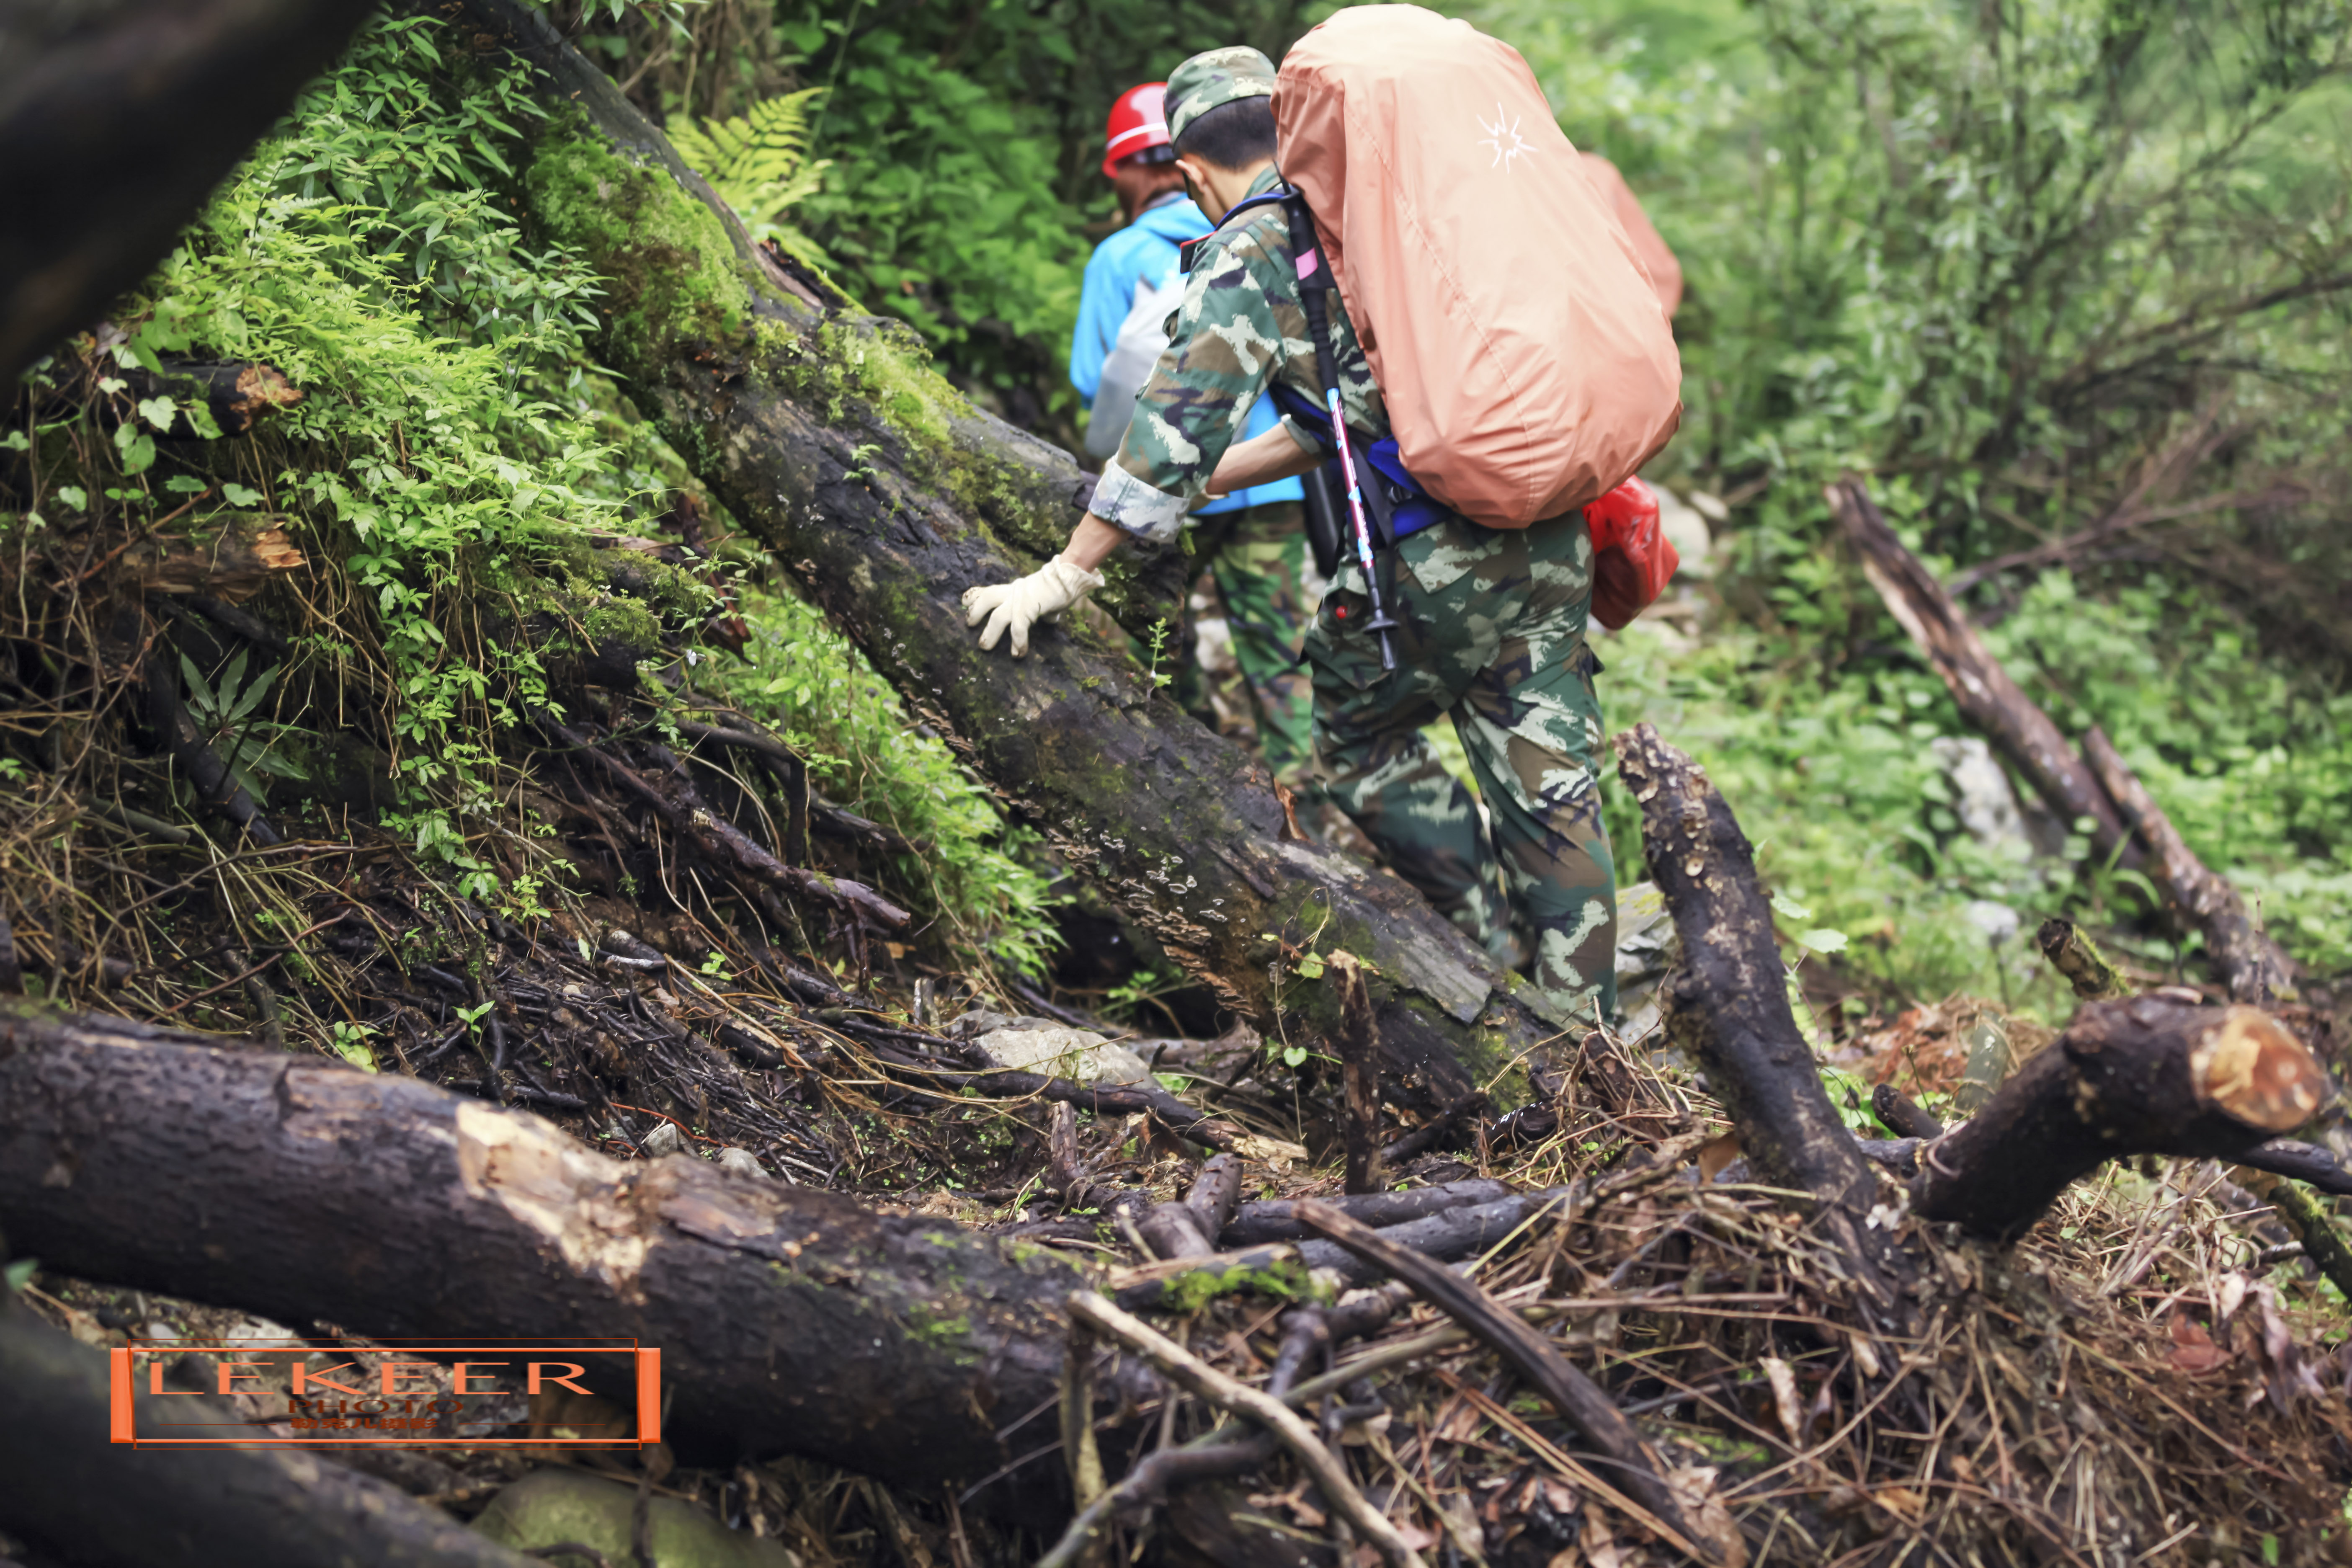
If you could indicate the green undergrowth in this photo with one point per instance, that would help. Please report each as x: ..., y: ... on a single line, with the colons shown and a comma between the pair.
x: 2063, y: 276
x: 868, y: 753
x: 456, y: 456
x: 438, y: 471
x: 1834, y: 778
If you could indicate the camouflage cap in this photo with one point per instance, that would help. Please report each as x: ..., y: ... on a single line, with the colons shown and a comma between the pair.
x: 1211, y: 81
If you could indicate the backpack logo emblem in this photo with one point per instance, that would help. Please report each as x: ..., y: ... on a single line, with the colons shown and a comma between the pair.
x: 1504, y: 137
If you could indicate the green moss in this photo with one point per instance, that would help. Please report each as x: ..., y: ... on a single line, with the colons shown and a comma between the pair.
x: 1286, y: 1279
x: 624, y: 621
x: 951, y: 1332
x: 671, y: 270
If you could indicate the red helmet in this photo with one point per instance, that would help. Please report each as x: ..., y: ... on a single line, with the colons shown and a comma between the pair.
x: 1138, y: 123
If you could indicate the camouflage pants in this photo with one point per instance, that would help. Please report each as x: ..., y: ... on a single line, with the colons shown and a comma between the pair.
x: 1494, y: 638
x: 1258, y: 557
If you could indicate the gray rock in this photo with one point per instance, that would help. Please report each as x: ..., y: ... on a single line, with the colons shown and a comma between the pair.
x: 1998, y: 922
x: 1982, y: 796
x: 1061, y: 1051
x: 1685, y: 529
x: 665, y: 1138
x: 741, y: 1162
x: 1041, y: 1045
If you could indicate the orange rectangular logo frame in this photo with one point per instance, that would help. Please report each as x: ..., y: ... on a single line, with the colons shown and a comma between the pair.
x: 123, y: 1410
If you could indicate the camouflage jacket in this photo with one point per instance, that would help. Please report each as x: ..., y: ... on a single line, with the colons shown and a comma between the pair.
x: 1240, y: 328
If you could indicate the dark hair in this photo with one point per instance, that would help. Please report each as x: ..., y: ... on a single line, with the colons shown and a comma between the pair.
x: 1232, y: 135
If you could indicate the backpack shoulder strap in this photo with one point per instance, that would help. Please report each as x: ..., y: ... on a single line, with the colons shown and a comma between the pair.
x: 1187, y: 249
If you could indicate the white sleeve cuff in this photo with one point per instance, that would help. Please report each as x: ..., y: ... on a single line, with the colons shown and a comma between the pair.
x: 1123, y: 500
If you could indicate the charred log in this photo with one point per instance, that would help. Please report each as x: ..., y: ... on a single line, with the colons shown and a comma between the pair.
x: 1276, y: 1219
x: 1728, y: 1004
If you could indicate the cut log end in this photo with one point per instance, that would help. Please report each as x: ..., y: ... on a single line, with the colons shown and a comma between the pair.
x: 2250, y: 1068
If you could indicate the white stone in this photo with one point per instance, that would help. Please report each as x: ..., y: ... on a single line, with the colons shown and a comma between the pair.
x: 1060, y: 1051
x: 663, y: 1139
x: 1686, y: 530
x: 1998, y: 922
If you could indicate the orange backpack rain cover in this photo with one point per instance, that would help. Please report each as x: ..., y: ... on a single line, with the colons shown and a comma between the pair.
x: 1519, y: 342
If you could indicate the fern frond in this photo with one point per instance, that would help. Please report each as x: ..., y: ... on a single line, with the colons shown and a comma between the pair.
x: 757, y: 161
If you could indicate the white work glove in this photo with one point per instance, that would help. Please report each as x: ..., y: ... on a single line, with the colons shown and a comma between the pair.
x: 1048, y: 591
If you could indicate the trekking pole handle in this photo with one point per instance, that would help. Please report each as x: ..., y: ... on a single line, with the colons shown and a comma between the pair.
x: 1309, y: 258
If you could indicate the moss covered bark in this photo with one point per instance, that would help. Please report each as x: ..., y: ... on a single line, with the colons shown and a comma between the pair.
x: 888, y: 495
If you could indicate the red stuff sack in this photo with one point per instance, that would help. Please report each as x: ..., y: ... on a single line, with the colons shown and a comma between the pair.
x: 1517, y: 336
x: 1633, y: 560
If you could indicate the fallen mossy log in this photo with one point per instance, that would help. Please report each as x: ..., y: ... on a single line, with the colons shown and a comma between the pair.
x: 789, y: 1321
x: 888, y: 495
x: 85, y: 1499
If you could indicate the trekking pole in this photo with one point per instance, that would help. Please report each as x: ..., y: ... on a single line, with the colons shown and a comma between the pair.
x: 1310, y: 258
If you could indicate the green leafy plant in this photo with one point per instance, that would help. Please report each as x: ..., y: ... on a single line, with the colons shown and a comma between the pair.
x: 224, y: 708
x: 758, y: 162
x: 350, y: 1042
x: 1158, y: 649
x: 969, y: 870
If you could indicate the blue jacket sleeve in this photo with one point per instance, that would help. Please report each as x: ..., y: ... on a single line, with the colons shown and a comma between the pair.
x: 1104, y: 300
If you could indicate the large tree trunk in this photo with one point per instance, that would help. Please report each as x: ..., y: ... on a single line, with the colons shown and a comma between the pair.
x: 888, y: 496
x: 790, y: 1320
x: 115, y: 123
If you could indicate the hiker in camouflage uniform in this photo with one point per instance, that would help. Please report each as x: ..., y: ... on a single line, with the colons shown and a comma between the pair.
x: 1493, y: 618
x: 1252, y: 542
x: 1258, y: 558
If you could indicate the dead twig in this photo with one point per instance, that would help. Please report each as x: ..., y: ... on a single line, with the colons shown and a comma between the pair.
x: 1573, y: 1394
x: 1205, y: 1381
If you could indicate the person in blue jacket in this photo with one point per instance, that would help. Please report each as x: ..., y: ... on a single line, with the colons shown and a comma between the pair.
x: 1253, y: 541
